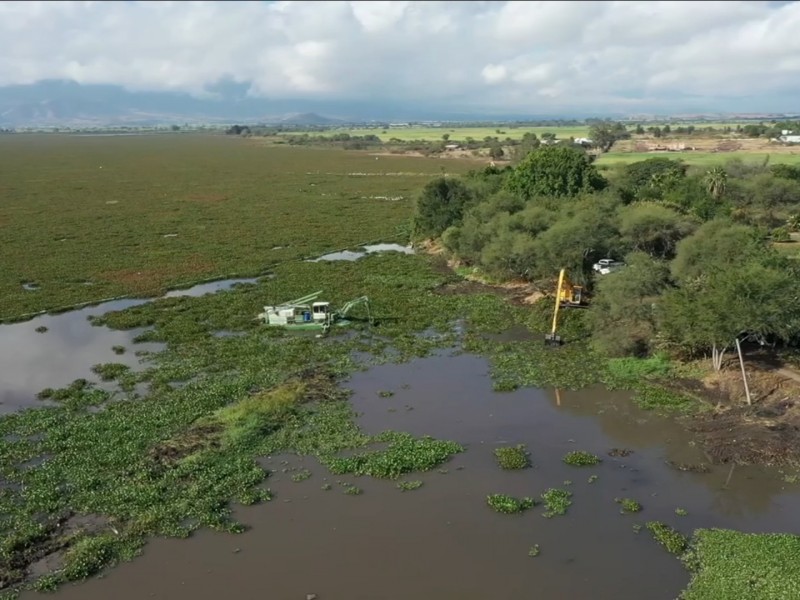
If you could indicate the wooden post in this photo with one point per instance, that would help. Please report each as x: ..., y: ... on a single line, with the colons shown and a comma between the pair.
x: 744, y: 373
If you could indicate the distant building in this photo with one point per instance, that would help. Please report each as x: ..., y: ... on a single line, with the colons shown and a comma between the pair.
x: 790, y: 139
x: 452, y: 147
x: 584, y: 141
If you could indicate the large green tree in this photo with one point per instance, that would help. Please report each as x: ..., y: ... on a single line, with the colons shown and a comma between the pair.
x: 756, y: 297
x: 653, y: 228
x: 717, y: 243
x: 605, y: 133
x: 622, y: 315
x: 555, y: 171
x: 440, y: 205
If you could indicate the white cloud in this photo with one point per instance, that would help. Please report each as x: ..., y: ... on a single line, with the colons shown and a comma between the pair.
x: 524, y: 56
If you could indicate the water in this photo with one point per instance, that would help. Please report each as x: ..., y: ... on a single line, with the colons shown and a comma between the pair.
x: 370, y: 249
x: 69, y: 348
x: 442, y: 541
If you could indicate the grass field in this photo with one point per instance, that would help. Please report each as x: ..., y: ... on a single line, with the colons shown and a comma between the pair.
x: 87, y: 218
x: 479, y: 133
x: 457, y: 133
x: 698, y: 158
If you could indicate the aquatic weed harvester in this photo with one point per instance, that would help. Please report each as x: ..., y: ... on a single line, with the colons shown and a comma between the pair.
x: 305, y: 314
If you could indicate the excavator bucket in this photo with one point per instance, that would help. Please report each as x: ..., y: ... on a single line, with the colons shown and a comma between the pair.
x: 552, y: 339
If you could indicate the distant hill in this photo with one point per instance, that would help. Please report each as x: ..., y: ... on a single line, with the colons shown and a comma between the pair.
x: 68, y: 104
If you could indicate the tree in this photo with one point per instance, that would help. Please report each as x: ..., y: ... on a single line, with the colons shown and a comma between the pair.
x: 622, y: 315
x: 440, y: 205
x: 754, y: 298
x: 496, y: 151
x: 445, y: 136
x: 555, y: 171
x: 652, y: 228
x: 604, y: 133
x: 716, y: 244
x: 716, y: 182
x: 639, y: 130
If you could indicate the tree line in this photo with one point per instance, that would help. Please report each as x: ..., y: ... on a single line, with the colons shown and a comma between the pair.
x: 701, y: 267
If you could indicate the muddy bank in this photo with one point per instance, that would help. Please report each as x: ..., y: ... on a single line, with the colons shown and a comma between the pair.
x: 441, y: 540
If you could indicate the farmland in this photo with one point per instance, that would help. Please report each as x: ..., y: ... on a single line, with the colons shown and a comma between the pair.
x: 700, y: 159
x: 87, y: 218
x: 478, y: 133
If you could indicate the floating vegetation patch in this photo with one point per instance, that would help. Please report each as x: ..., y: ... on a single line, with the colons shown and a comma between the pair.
x: 301, y: 475
x: 674, y: 541
x: 730, y: 564
x: 628, y: 505
x: 509, y: 505
x: 556, y: 502
x: 404, y: 454
x: 407, y: 486
x: 579, y: 458
x: 512, y: 457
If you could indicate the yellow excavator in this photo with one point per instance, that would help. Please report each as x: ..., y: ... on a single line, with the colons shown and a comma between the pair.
x: 567, y: 296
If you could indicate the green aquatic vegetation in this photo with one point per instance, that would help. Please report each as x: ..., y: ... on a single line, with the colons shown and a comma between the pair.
x: 118, y: 349
x: 407, y: 486
x: 512, y: 457
x: 628, y: 505
x: 681, y: 512
x: 301, y: 475
x: 403, y: 454
x: 592, y: 478
x: 110, y: 371
x: 556, y: 502
x: 637, y: 528
x: 509, y: 505
x: 41, y: 329
x: 352, y: 490
x: 580, y: 458
x: 326, y: 487
x: 731, y: 565
x: 534, y: 550
x: 674, y: 541
x: 385, y: 394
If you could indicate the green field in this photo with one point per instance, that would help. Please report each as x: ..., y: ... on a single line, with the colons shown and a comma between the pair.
x: 698, y: 158
x: 456, y: 133
x: 479, y: 133
x: 87, y: 218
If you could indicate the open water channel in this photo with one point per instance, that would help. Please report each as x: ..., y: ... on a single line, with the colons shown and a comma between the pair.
x: 439, y: 541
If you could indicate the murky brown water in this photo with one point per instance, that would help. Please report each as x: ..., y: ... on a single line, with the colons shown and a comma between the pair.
x: 67, y: 350
x: 442, y: 541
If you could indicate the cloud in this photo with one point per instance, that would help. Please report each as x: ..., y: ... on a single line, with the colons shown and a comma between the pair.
x: 521, y: 56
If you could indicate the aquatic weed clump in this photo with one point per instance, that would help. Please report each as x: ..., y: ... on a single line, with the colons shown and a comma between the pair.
x: 407, y: 486
x: 731, y: 564
x: 580, y: 458
x: 556, y: 501
x: 509, y: 505
x: 512, y: 457
x: 404, y: 454
x: 674, y: 541
x: 628, y: 505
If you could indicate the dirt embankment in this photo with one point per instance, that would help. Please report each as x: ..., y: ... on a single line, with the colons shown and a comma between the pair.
x: 767, y: 431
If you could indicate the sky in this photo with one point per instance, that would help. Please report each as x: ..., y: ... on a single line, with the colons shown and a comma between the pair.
x: 626, y: 57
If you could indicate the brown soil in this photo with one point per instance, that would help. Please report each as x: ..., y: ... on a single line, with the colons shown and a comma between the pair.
x: 768, y: 432
x: 702, y: 144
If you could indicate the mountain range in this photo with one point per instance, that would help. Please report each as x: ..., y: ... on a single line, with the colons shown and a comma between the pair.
x: 60, y: 103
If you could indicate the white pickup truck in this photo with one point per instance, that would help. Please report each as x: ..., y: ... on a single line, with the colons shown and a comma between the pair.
x: 604, y: 266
